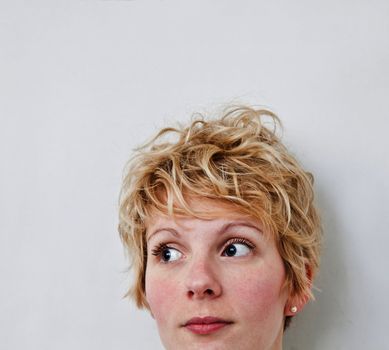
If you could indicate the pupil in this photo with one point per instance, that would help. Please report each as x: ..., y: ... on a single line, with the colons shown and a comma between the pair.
x: 166, y: 254
x: 231, y: 250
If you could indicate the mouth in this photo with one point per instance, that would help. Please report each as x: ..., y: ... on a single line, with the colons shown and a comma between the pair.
x: 206, y: 325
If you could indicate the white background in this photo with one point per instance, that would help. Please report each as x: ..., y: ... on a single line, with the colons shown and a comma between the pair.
x: 84, y: 82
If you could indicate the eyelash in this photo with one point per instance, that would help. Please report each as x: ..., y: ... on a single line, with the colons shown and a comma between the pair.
x: 244, y: 241
x: 157, y: 251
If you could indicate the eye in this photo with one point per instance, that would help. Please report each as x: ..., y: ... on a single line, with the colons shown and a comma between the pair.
x: 238, y: 247
x: 170, y: 254
x: 167, y: 254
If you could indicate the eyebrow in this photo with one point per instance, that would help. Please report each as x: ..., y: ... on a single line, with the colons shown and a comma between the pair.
x: 222, y: 229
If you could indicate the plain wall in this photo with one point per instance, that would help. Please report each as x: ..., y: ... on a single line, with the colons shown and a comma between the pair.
x: 84, y: 82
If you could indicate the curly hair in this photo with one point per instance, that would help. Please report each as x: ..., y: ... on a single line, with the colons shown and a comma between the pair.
x: 237, y: 158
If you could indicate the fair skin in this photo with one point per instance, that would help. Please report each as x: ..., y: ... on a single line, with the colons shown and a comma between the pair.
x: 215, y: 283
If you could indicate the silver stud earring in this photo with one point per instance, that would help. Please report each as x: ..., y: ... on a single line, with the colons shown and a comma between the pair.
x: 293, y: 309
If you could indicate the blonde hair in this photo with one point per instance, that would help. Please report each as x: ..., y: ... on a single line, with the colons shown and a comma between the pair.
x: 235, y: 158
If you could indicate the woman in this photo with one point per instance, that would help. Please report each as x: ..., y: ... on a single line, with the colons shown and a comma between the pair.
x: 222, y: 231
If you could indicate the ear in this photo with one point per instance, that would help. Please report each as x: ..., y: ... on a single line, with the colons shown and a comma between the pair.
x: 296, y: 303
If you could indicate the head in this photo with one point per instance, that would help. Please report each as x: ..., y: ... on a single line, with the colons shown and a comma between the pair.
x: 222, y: 231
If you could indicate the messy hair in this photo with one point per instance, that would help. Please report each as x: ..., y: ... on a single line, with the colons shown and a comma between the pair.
x: 237, y: 158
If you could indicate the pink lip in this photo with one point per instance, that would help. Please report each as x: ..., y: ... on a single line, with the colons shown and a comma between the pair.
x: 205, y: 325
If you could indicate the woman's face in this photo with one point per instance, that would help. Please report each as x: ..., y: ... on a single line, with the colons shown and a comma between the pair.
x: 215, y: 284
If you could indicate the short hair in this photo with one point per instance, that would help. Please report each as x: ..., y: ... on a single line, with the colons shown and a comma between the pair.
x: 238, y: 158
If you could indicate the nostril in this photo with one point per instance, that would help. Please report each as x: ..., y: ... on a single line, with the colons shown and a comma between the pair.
x: 208, y: 291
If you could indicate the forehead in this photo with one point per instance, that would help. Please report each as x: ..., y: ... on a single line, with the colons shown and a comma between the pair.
x: 204, y: 208
x: 211, y: 213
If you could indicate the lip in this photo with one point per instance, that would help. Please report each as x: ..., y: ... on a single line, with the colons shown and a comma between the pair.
x: 206, y: 325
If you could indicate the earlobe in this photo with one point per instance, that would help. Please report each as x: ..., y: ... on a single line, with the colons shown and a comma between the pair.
x: 293, y: 309
x: 296, y: 304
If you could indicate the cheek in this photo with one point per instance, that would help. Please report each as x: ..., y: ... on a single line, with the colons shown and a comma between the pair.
x: 259, y: 293
x: 161, y: 295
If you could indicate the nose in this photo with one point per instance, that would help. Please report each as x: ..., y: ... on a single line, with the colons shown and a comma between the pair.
x: 202, y: 281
